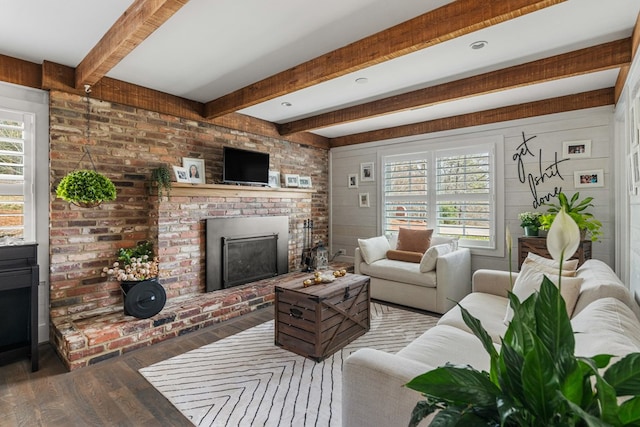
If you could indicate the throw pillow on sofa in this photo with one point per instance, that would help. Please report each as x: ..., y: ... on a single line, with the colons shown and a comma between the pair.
x: 412, y: 240
x: 406, y: 256
x: 571, y: 264
x: 529, y: 281
x: 430, y: 257
x: 374, y: 248
x: 547, y: 269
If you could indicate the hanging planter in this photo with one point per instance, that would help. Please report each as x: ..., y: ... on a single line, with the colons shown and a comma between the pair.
x: 86, y: 188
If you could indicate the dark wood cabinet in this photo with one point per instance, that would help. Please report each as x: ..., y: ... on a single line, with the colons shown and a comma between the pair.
x: 538, y: 246
x: 19, y: 277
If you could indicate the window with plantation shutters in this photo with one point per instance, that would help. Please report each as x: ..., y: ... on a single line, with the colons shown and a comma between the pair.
x: 464, y: 195
x: 16, y: 198
x: 406, y: 187
x: 448, y: 190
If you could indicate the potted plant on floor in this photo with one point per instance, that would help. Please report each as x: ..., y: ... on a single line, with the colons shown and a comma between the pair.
x: 86, y: 188
x: 530, y: 222
x: 576, y: 209
x: 137, y: 271
x: 535, y: 379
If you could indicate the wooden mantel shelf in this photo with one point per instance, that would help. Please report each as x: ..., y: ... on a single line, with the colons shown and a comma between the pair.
x: 222, y: 190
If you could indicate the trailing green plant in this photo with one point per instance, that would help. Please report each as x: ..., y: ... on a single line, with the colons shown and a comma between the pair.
x: 162, y: 177
x: 86, y: 188
x: 535, y: 379
x: 577, y: 211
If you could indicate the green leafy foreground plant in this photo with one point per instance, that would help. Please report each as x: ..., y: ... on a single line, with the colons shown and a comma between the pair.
x: 535, y: 379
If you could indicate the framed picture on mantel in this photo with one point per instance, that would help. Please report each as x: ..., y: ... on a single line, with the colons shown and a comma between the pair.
x: 195, y: 169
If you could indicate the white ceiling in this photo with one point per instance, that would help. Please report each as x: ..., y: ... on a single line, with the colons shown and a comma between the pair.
x: 211, y: 48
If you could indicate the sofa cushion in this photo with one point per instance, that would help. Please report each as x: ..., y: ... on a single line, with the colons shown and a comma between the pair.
x: 414, y: 240
x: 405, y: 256
x: 487, y: 308
x: 399, y: 271
x: 374, y: 248
x: 571, y: 264
x: 529, y: 281
x: 447, y: 344
x: 430, y: 257
x: 606, y: 326
x: 599, y: 282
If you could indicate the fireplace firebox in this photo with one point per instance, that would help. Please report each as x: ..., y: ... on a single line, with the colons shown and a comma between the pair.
x: 245, y: 249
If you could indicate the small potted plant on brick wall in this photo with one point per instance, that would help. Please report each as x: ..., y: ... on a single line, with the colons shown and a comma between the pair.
x: 161, y: 176
x: 137, y: 271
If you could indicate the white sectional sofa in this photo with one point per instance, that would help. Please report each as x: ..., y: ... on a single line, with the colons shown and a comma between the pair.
x: 605, y: 320
x: 436, y: 288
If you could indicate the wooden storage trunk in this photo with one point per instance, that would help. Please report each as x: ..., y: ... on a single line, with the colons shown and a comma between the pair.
x: 318, y: 320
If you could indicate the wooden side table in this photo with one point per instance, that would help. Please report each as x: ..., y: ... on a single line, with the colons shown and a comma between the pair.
x: 538, y: 246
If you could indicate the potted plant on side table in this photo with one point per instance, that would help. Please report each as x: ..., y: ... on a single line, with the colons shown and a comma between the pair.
x: 530, y: 222
x: 137, y: 271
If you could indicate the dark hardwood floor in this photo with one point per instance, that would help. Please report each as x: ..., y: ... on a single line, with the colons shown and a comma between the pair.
x: 111, y: 393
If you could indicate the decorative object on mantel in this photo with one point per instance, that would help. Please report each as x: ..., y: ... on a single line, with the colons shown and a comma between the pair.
x: 530, y: 222
x: 162, y: 177
x: 274, y: 179
x: 137, y: 272
x: 82, y: 187
x: 304, y: 182
x: 181, y: 174
x: 576, y: 210
x: 292, y: 180
x: 195, y: 169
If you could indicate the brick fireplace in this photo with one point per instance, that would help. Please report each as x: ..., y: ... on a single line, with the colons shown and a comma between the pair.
x: 91, y: 336
x: 87, y: 321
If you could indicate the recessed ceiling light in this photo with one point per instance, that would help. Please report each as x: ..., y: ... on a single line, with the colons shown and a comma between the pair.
x: 478, y: 44
x: 286, y: 104
x: 362, y: 80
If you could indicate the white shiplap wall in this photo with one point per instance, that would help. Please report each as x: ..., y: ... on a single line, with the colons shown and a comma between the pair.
x: 349, y: 221
x: 628, y: 202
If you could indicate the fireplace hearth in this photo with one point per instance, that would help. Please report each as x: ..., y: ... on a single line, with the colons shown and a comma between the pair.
x: 245, y: 249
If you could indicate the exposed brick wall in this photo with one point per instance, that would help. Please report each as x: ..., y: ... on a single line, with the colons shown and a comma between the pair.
x: 126, y: 144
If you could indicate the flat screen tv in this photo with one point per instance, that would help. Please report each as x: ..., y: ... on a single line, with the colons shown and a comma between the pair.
x: 244, y: 167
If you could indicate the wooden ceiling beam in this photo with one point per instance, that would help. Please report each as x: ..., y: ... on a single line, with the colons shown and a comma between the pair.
x: 60, y: 77
x: 141, y: 19
x: 445, y: 23
x: 606, y: 56
x: 20, y: 72
x: 596, y: 98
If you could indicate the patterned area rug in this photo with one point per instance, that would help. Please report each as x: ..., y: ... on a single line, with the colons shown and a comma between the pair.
x: 245, y: 380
